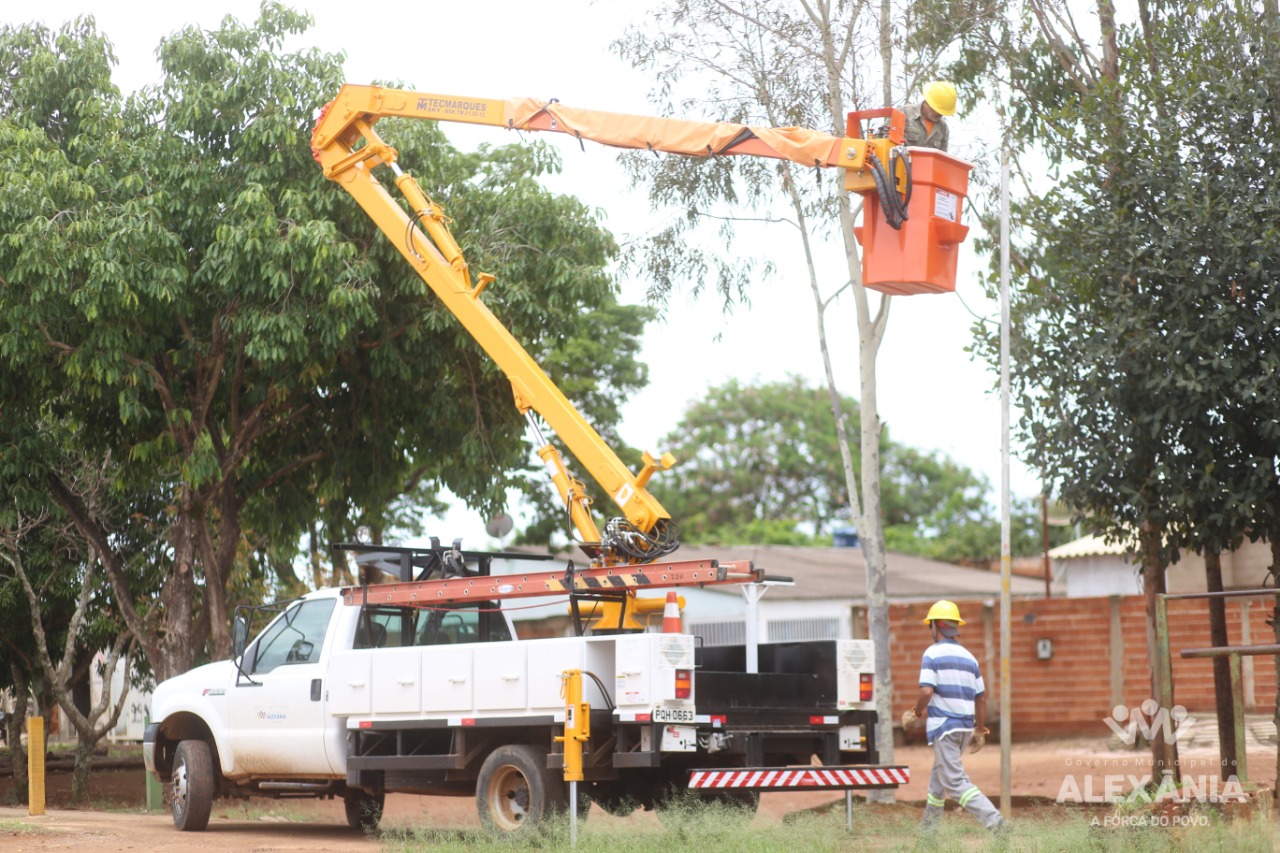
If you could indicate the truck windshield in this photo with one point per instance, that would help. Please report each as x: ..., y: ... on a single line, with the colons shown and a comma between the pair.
x: 296, y: 637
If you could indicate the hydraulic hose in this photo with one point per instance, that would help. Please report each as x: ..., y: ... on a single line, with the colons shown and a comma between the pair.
x: 893, y: 205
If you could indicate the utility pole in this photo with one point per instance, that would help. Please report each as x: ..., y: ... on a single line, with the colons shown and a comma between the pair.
x: 1006, y: 560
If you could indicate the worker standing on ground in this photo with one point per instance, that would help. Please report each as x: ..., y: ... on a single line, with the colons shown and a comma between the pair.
x: 926, y: 125
x: 953, y: 703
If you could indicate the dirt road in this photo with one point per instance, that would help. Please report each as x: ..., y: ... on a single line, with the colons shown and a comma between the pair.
x: 266, y: 826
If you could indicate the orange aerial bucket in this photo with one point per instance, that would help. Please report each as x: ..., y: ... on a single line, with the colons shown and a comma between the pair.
x: 921, y: 256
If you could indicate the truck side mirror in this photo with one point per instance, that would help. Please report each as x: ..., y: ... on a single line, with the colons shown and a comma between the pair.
x: 239, y: 634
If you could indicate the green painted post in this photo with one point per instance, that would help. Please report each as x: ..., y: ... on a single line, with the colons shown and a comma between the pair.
x: 155, y: 795
x: 1237, y: 711
x: 1165, y: 677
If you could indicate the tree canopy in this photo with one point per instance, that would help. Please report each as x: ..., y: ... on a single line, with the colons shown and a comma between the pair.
x: 759, y: 462
x: 1147, y: 311
x: 184, y: 289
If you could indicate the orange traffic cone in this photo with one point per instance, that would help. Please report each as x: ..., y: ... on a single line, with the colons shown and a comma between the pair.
x: 671, y: 615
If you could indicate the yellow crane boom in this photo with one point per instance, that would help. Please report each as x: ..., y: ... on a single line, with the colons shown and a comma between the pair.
x: 349, y: 149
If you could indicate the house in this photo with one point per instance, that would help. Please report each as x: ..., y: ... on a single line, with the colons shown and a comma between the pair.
x: 1090, y: 567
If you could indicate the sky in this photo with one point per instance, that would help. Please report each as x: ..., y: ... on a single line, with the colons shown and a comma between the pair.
x: 932, y: 394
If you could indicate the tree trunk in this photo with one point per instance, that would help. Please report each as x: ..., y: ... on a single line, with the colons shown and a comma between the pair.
x: 1164, y: 756
x: 177, y: 646
x: 14, y: 725
x: 81, y: 687
x: 886, y: 51
x: 872, y: 535
x: 80, y: 771
x: 1221, y: 667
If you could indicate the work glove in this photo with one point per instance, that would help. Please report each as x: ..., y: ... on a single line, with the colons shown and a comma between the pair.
x: 979, y: 740
x: 909, y: 718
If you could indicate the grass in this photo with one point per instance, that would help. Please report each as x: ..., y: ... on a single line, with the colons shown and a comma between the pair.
x: 700, y: 828
x: 713, y: 828
x: 17, y: 827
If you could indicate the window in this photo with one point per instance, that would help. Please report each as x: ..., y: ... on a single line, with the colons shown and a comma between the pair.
x: 385, y: 628
x: 296, y: 637
x: 466, y: 624
x: 798, y: 630
x: 732, y: 633
x: 393, y: 627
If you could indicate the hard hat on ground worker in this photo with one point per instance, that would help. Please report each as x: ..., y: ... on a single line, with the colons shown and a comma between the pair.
x: 944, y: 610
x: 941, y: 95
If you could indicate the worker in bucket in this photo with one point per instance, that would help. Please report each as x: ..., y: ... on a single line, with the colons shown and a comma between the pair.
x: 926, y: 122
x: 953, y: 703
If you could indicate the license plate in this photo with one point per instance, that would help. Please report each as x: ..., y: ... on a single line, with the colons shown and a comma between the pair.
x: 672, y: 715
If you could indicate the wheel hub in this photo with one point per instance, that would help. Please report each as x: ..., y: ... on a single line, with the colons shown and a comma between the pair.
x: 180, y: 783
x: 513, y: 799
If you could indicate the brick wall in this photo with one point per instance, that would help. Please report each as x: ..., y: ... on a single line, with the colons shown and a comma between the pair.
x: 1073, y: 692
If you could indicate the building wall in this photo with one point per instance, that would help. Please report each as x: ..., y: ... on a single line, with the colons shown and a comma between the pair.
x: 1101, y: 575
x: 1113, y: 574
x: 1100, y: 657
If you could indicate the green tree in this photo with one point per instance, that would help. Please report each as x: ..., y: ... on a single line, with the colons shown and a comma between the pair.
x: 760, y: 463
x: 180, y: 277
x: 764, y: 452
x: 1146, y: 320
x: 59, y: 612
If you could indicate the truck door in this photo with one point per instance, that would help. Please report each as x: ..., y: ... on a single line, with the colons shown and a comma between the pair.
x: 278, y: 712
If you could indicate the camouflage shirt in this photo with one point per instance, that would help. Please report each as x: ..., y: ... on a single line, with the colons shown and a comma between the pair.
x: 918, y: 133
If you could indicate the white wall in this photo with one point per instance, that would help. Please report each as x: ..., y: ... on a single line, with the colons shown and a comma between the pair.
x: 133, y: 716
x: 1101, y: 575
x: 1109, y: 574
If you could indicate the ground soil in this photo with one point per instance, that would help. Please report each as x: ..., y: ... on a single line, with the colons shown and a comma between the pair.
x: 116, y: 818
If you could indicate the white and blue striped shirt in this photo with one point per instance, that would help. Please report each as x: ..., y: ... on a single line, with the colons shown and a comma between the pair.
x: 953, y: 673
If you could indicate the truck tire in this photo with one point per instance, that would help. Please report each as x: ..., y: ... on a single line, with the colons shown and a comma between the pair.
x: 516, y: 790
x: 364, y: 810
x: 191, y: 789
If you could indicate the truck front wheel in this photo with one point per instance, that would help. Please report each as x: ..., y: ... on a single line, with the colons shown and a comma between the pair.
x: 515, y: 789
x: 364, y: 810
x: 191, y: 791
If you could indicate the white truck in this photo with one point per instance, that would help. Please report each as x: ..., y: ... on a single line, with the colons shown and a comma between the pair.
x: 418, y: 687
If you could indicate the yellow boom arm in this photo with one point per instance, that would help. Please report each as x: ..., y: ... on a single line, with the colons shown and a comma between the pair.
x: 346, y: 145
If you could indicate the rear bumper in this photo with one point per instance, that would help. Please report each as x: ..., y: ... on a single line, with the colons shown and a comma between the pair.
x: 842, y: 778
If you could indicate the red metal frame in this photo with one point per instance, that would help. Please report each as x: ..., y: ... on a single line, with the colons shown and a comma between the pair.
x: 897, y: 123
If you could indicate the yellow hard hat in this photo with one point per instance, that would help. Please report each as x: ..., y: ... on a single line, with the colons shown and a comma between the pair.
x: 941, y: 95
x: 944, y: 610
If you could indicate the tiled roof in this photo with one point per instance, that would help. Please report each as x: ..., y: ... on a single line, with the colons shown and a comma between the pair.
x: 840, y: 573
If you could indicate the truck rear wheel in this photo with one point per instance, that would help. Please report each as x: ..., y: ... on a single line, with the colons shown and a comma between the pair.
x: 191, y: 791
x: 515, y: 789
x: 364, y: 810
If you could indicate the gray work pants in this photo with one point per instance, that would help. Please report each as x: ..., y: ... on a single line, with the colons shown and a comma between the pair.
x: 948, y: 777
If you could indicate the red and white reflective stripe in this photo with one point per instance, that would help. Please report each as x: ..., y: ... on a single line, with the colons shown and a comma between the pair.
x: 811, y: 777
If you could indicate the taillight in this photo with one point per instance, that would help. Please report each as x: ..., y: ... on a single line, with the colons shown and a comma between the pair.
x: 684, y: 683
x: 866, y: 686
